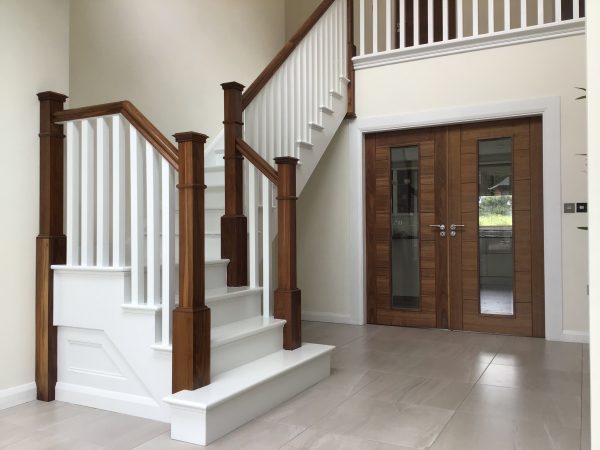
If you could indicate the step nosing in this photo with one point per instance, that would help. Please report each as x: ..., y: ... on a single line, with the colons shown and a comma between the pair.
x: 273, y: 373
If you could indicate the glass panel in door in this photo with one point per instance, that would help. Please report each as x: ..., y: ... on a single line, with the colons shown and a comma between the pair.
x: 495, y: 226
x: 405, y: 247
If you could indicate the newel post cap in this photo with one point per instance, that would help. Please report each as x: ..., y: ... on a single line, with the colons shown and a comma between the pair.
x: 286, y: 160
x: 51, y: 96
x: 232, y: 85
x: 190, y: 136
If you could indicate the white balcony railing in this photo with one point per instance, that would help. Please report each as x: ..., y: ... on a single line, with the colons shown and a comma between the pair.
x: 399, y: 30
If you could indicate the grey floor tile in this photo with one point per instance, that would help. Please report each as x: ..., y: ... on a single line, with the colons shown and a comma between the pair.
x: 476, y: 432
x: 322, y: 440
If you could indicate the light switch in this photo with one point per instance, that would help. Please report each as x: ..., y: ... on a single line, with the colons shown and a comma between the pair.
x: 581, y: 207
x: 569, y: 208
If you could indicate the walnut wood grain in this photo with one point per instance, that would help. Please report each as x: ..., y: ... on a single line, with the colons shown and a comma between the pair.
x: 287, y: 295
x: 257, y: 161
x: 158, y: 140
x: 284, y: 53
x: 234, y: 225
x: 191, y: 319
x: 50, y: 243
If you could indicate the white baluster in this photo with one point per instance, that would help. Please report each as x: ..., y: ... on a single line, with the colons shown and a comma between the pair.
x: 506, y: 15
x: 401, y: 22
x: 266, y: 245
x: 119, y: 188
x: 87, y: 192
x: 576, y: 9
x: 459, y: 19
x: 304, y: 103
x: 491, y: 25
x: 362, y: 12
x: 388, y: 24
x: 169, y: 283
x: 375, y: 26
x: 252, y: 229
x: 73, y: 192
x: 475, y: 17
x: 540, y: 12
x: 430, y: 36
x: 523, y: 22
x: 153, y: 224
x: 445, y: 20
x: 136, y: 164
x: 102, y: 192
x: 416, y: 22
x: 557, y: 10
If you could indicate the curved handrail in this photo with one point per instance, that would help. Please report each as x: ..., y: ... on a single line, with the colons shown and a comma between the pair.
x: 158, y: 140
x: 283, y: 54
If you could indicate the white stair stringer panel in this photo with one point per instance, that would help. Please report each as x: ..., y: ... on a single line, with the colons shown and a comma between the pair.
x: 237, y: 396
x: 321, y: 133
x: 88, y: 311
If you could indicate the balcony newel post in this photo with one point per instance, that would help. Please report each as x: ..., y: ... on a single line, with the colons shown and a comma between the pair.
x: 287, y: 294
x: 234, y: 225
x: 51, y: 242
x: 191, y: 319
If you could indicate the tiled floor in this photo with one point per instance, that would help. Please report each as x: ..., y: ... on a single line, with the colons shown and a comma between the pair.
x: 391, y: 389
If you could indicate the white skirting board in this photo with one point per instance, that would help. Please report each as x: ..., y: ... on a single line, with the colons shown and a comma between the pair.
x: 316, y: 316
x: 17, y: 395
x: 582, y: 337
x: 119, y: 402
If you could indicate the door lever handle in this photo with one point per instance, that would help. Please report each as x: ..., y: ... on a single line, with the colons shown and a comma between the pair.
x: 453, y: 227
x: 442, y: 227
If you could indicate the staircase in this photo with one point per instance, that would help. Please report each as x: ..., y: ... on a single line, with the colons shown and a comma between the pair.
x: 131, y: 315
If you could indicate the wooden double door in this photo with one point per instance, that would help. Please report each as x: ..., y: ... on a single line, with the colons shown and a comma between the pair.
x: 454, y: 227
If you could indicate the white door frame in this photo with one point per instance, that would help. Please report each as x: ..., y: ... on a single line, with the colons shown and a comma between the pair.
x: 549, y: 109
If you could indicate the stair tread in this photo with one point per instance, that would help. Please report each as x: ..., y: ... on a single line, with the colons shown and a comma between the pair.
x: 240, y: 379
x: 231, y: 292
x: 241, y: 329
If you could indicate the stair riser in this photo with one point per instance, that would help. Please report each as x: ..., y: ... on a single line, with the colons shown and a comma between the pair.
x: 214, y: 197
x: 212, y: 247
x: 242, y: 351
x: 224, y: 311
x: 215, y: 277
x: 203, y: 427
x: 212, y: 221
x: 213, y: 178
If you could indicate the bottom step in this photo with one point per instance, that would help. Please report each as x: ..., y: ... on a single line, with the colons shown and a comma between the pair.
x: 241, y: 394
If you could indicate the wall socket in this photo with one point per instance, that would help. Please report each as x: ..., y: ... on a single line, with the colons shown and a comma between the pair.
x: 569, y: 208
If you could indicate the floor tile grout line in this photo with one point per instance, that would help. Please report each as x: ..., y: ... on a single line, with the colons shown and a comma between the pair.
x: 461, y: 403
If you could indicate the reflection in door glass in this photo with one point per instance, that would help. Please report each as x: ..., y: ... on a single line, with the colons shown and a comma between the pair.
x: 495, y: 227
x: 405, y: 227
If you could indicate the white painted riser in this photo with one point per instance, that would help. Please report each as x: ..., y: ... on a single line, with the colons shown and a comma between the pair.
x: 236, y: 397
x: 237, y: 304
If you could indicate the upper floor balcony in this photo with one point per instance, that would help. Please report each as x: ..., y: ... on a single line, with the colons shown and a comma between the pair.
x: 391, y: 31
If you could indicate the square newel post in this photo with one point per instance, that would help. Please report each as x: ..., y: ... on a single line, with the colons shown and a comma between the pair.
x: 191, y: 319
x: 234, y: 225
x: 51, y: 242
x: 287, y: 295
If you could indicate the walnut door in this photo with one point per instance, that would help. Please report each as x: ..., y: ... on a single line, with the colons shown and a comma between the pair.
x: 406, y: 251
x: 495, y: 222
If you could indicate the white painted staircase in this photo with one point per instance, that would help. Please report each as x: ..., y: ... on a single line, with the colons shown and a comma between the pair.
x: 114, y: 298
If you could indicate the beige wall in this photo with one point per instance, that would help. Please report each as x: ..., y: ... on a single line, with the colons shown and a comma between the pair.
x: 548, y: 68
x: 33, y: 58
x: 170, y: 58
x: 593, y: 104
x: 296, y: 12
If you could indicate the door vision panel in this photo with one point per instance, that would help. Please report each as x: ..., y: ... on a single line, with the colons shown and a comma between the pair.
x: 455, y: 227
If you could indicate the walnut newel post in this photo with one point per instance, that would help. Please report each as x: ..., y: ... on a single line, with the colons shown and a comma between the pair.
x: 51, y: 242
x: 191, y: 319
x: 287, y: 295
x: 234, y: 225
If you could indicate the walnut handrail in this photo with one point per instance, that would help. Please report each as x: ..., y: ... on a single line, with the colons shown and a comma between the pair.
x: 283, y: 54
x: 257, y: 161
x: 158, y: 140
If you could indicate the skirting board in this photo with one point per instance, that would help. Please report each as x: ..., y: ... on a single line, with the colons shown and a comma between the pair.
x: 17, y: 395
x: 314, y: 316
x: 582, y: 337
x: 119, y: 402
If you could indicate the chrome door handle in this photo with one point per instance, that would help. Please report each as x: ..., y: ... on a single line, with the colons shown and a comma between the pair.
x: 442, y: 227
x: 453, y: 227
